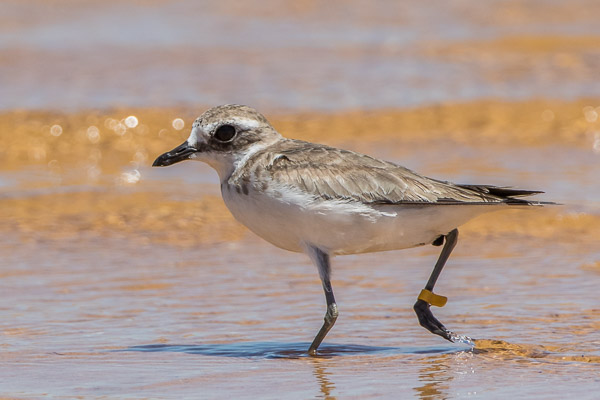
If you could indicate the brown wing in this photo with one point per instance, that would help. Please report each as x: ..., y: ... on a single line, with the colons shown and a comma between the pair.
x: 332, y: 173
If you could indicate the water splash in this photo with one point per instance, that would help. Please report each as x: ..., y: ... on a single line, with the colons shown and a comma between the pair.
x: 462, y: 339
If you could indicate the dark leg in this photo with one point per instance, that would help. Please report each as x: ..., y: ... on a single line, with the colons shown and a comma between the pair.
x: 423, y: 304
x: 322, y: 260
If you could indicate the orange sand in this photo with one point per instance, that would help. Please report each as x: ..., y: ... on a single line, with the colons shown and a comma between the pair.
x: 27, y: 138
x: 102, y: 140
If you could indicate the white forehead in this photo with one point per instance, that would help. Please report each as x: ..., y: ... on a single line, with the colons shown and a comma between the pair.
x: 243, y: 123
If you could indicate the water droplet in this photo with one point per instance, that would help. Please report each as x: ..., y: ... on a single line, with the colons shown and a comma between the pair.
x: 130, y: 177
x: 178, y: 124
x: 591, y: 115
x: 56, y: 130
x: 110, y: 123
x: 93, y: 134
x: 462, y: 339
x: 120, y: 128
x: 131, y: 121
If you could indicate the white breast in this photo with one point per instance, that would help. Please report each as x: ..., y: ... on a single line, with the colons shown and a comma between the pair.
x: 289, y: 219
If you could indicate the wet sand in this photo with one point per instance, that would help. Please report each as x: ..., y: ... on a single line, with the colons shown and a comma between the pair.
x: 120, y: 280
x: 127, y: 281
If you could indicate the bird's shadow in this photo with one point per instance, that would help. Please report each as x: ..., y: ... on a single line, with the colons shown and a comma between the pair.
x: 278, y: 350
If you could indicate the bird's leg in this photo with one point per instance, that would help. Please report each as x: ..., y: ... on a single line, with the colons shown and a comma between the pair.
x: 330, y: 317
x: 322, y: 260
x: 428, y: 298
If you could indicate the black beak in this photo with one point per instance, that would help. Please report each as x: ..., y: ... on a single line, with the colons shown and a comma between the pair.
x: 179, y: 153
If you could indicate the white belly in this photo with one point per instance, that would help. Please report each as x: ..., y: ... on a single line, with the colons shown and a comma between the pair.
x: 291, y: 220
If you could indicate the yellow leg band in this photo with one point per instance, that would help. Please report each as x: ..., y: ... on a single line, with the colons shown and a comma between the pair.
x: 432, y: 298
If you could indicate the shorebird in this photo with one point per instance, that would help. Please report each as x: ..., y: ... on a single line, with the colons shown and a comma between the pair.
x: 324, y: 201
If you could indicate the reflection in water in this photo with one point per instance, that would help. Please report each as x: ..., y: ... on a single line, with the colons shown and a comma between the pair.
x: 271, y: 350
x: 322, y: 375
x: 434, y: 377
x: 265, y: 350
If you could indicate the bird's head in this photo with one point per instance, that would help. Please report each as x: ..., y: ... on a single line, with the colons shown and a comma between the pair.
x: 222, y: 137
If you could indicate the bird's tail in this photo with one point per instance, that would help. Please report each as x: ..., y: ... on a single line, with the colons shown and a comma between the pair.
x: 509, y: 195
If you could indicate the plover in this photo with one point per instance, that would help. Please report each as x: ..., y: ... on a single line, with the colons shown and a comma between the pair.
x: 324, y: 201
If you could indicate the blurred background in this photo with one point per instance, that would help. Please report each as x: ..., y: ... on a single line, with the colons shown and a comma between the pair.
x: 113, y: 272
x: 305, y: 55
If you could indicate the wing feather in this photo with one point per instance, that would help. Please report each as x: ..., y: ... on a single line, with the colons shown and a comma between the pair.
x: 331, y: 173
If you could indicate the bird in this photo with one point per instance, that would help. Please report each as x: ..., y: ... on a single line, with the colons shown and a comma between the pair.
x: 324, y: 201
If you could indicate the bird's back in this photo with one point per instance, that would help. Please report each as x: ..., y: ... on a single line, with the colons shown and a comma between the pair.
x: 296, y: 192
x: 334, y: 174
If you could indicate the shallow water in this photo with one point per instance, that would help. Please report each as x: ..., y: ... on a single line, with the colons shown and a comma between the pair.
x: 102, y: 300
x: 111, y: 317
x: 124, y: 281
x: 292, y: 56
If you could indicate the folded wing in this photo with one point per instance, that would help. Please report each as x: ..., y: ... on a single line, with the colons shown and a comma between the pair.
x: 331, y: 173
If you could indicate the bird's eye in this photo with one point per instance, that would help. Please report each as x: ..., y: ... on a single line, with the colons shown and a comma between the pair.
x: 224, y: 133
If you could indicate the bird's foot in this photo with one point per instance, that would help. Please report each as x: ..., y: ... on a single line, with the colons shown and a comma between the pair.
x: 431, y: 323
x: 330, y: 318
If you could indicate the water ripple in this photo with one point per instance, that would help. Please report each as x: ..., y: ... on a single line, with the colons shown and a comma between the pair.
x: 277, y: 350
